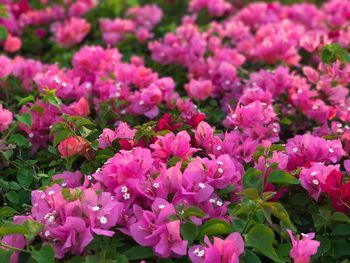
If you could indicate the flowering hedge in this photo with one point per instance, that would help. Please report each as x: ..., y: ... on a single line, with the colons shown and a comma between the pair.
x: 174, y: 131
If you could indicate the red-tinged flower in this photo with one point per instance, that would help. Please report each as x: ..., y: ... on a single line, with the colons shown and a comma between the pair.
x: 12, y: 44
x: 20, y: 7
x: 337, y: 191
x: 196, y: 119
x: 73, y: 145
x: 166, y: 123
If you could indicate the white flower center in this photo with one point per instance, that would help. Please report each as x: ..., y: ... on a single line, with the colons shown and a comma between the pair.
x: 95, y: 208
x: 201, y: 185
x: 103, y: 220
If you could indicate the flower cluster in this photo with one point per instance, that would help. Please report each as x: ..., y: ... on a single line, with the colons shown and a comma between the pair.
x: 210, y: 136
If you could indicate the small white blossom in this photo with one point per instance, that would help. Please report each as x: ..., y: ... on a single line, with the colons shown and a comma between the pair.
x: 201, y: 185
x: 103, y: 220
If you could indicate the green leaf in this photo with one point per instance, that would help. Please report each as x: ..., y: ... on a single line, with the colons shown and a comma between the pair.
x: 7, y: 154
x: 251, y: 193
x: 12, y: 197
x: 261, y: 238
x: 331, y: 52
x: 341, y: 230
x: 189, y: 232
x: 249, y: 257
x: 253, y: 179
x: 26, y: 99
x: 33, y: 228
x: 7, y: 211
x: 138, y: 253
x: 25, y: 118
x: 173, y: 161
x: 214, y: 227
x: 194, y: 211
x: 20, y: 140
x: 340, y: 217
x: 45, y: 254
x: 278, y: 211
x: 11, y: 228
x: 5, y: 255
x: 3, y: 33
x: 25, y: 177
x: 281, y: 177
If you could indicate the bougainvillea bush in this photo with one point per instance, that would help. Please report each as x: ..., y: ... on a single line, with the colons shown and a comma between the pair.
x: 167, y: 131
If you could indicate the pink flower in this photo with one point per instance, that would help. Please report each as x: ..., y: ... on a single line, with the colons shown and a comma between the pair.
x: 122, y: 132
x: 171, y: 145
x: 72, y: 236
x: 225, y: 251
x: 303, y: 249
x: 12, y: 44
x: 71, y: 31
x: 199, y: 89
x: 312, y: 178
x: 6, y: 118
x: 79, y: 108
x: 69, y: 179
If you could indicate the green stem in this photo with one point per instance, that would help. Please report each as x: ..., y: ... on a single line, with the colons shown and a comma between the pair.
x: 13, y: 248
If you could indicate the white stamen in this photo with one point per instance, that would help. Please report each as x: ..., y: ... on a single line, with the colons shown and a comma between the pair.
x: 124, y: 189
x: 51, y: 192
x: 89, y: 177
x: 331, y: 150
x: 212, y: 200
x: 161, y: 206
x: 31, y: 135
x: 103, y: 220
x: 201, y: 185
x: 126, y: 196
x: 295, y: 149
x: 234, y: 115
x: 47, y: 233
x: 219, y: 203
x: 314, y: 173
x: 218, y: 148
x: 220, y: 170
x: 95, y: 208
x: 219, y: 163
x: 315, y: 182
x: 155, y: 185
x: 200, y: 253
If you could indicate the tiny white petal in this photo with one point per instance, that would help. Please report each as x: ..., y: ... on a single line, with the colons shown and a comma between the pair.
x: 161, y: 206
x: 103, y: 220
x: 219, y: 203
x: 315, y: 182
x: 218, y: 148
x: 95, y: 208
x: 201, y: 185
x: 155, y: 185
